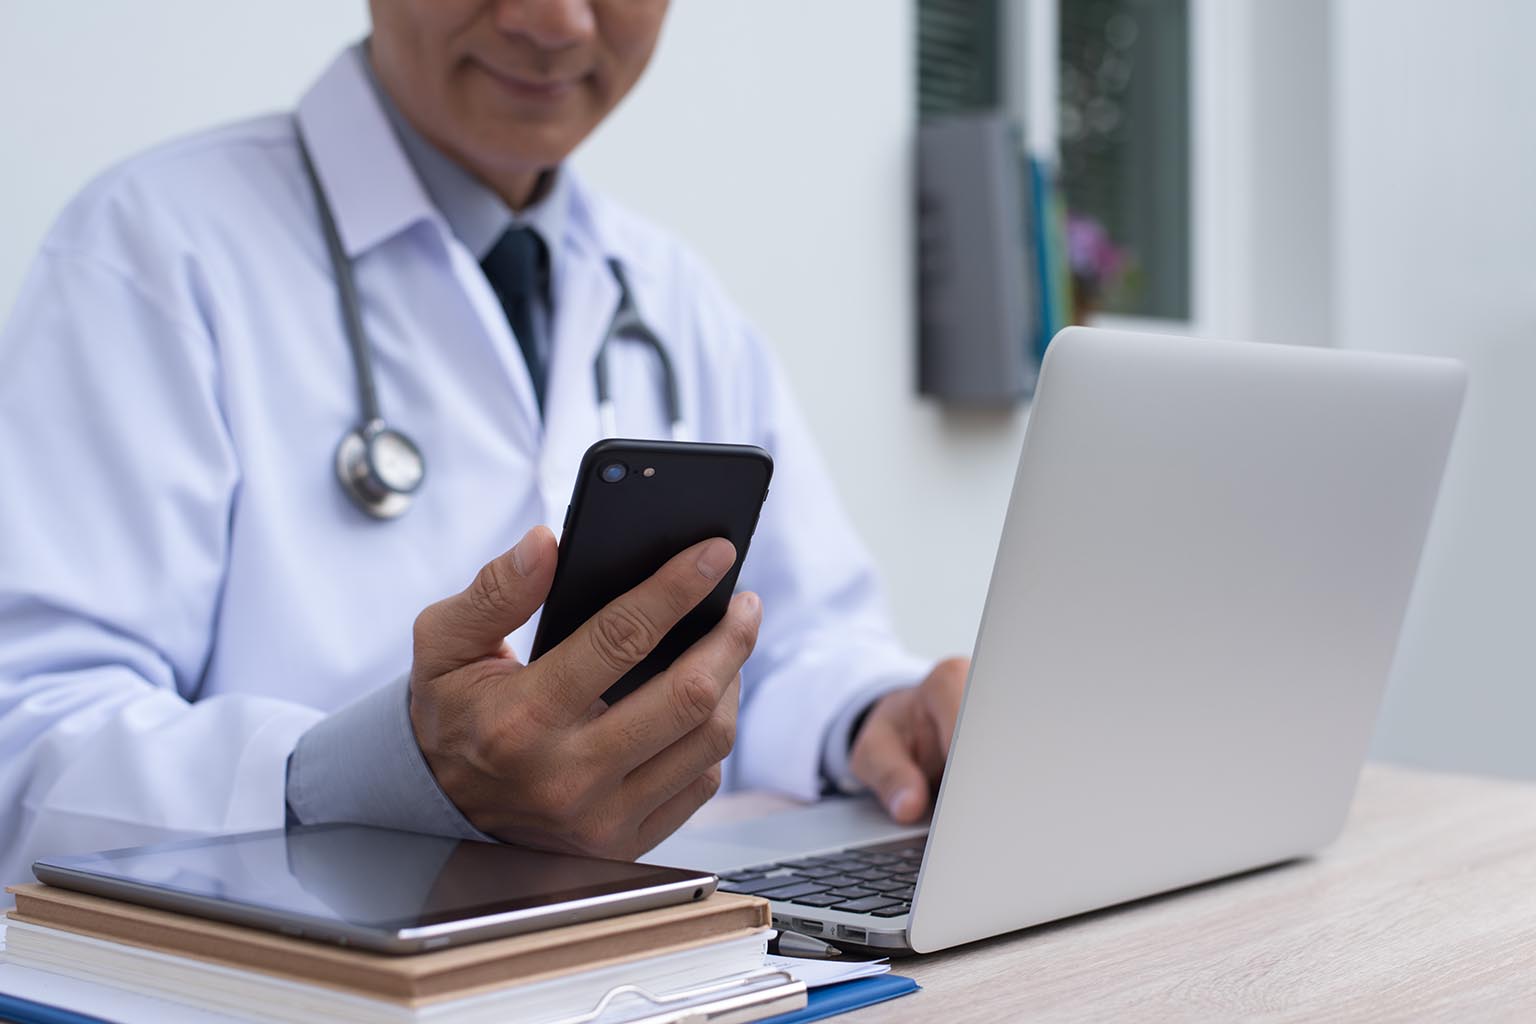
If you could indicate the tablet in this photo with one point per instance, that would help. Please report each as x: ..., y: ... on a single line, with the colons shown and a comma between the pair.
x: 395, y: 892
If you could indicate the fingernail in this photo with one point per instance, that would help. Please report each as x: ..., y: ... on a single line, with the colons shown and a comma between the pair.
x: 752, y: 604
x: 528, y: 553
x: 901, y: 801
x: 716, y: 558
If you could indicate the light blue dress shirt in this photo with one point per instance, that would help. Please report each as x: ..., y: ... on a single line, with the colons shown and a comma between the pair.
x: 188, y: 599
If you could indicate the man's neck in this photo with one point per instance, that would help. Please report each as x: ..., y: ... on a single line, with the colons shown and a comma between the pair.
x: 524, y: 192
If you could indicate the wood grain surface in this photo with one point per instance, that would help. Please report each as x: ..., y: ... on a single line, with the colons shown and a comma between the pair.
x: 1425, y: 909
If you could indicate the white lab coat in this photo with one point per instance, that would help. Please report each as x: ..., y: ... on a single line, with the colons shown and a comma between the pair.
x: 184, y: 588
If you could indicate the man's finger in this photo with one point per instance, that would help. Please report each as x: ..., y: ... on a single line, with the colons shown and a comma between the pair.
x: 682, y: 698
x: 619, y: 636
x: 940, y: 694
x: 665, y: 775
x: 669, y: 817
x: 882, y: 759
x: 474, y: 623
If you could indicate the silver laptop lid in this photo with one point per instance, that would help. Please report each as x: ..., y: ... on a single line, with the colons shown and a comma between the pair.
x: 1196, y: 600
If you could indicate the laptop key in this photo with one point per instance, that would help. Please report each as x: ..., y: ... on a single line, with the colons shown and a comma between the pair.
x: 806, y: 862
x: 894, y: 910
x: 898, y: 845
x: 817, y: 899
x: 867, y: 905
x: 836, y: 881
x: 872, y: 874
x: 890, y: 885
x: 853, y: 892
x: 759, y: 885
x: 904, y: 893
x: 789, y: 892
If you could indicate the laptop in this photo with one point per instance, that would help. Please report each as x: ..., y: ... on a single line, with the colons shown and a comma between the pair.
x: 1203, y: 571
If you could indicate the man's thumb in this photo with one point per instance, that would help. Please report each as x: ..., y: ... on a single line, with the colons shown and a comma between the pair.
x: 472, y: 624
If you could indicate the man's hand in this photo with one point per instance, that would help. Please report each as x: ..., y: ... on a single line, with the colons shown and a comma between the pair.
x: 530, y: 754
x: 901, y: 747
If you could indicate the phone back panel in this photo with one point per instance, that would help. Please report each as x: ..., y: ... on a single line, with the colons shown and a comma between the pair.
x: 617, y: 534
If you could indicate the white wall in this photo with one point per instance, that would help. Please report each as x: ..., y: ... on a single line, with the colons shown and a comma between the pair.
x: 1436, y: 252
x: 1290, y: 209
x: 773, y: 136
x: 86, y: 84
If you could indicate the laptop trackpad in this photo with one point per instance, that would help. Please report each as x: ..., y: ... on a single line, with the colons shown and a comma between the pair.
x: 801, y: 831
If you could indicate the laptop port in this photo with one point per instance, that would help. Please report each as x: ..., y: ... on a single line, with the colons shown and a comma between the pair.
x: 856, y: 934
x: 805, y: 927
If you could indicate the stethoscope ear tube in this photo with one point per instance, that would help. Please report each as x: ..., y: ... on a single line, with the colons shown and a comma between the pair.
x: 626, y: 322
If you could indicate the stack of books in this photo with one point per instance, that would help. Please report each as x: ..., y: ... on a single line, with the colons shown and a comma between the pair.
x: 701, y: 961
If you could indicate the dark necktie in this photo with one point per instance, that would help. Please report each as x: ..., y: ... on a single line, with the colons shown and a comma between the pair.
x: 518, y: 269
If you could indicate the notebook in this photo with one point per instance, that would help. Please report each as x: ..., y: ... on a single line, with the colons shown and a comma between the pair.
x: 637, y: 966
x: 411, y: 980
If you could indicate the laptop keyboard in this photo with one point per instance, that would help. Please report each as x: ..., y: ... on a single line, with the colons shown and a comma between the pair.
x: 876, y: 880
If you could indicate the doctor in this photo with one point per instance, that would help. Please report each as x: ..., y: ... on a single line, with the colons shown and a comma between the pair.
x: 202, y: 629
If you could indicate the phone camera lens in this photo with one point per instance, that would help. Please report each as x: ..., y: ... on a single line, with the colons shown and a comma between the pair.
x: 614, y: 472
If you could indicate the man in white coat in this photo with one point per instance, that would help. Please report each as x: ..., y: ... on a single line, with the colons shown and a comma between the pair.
x: 200, y: 632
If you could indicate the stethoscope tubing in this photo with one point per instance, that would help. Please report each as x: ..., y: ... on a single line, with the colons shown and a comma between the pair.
x: 627, y: 322
x: 346, y: 292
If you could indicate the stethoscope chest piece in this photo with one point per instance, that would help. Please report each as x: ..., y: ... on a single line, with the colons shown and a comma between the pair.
x: 380, y: 469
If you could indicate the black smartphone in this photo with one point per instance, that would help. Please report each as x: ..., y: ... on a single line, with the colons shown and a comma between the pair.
x: 635, y: 505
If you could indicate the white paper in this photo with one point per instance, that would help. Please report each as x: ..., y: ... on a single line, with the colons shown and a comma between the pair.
x: 99, y: 1000
x: 816, y: 973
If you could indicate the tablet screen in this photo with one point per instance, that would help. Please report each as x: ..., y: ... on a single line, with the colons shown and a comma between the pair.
x: 373, y: 878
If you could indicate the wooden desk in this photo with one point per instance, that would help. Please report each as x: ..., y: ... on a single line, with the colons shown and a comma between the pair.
x: 1425, y: 909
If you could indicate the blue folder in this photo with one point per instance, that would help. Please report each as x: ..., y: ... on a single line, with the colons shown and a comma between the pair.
x: 25, y: 1011
x: 831, y: 1000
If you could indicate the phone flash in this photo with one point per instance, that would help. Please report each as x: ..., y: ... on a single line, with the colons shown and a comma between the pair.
x: 648, y: 471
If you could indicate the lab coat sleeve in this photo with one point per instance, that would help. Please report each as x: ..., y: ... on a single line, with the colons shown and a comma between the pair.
x: 826, y: 649
x: 117, y: 473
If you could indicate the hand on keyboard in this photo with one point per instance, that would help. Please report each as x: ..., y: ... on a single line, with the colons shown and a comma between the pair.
x: 901, y: 747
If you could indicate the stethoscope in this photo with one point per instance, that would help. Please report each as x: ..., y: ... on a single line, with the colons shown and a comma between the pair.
x: 379, y: 467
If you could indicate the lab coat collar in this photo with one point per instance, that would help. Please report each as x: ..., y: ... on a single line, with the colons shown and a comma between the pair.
x: 375, y: 192
x: 371, y: 186
x: 585, y: 298
x: 473, y: 210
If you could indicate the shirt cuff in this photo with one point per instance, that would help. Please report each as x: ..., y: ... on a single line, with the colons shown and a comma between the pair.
x: 839, y: 739
x: 361, y: 764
